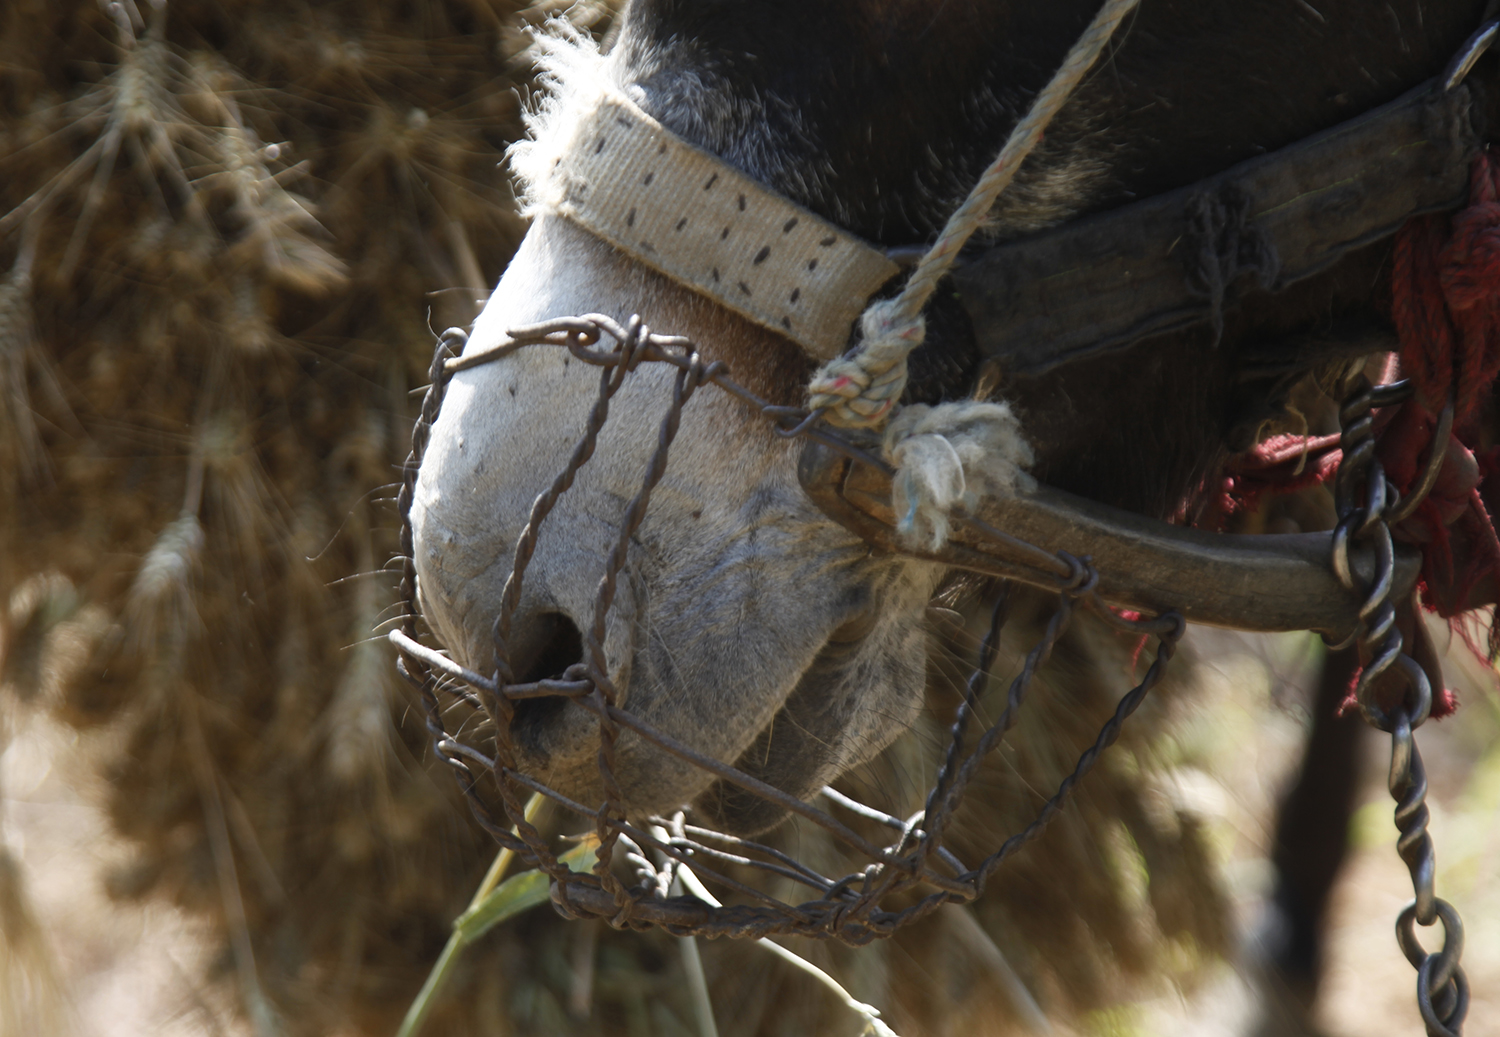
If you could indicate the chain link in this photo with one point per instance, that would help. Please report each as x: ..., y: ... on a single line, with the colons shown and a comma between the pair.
x: 1394, y: 691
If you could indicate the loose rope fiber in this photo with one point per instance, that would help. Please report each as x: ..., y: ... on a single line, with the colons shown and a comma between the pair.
x: 861, y: 388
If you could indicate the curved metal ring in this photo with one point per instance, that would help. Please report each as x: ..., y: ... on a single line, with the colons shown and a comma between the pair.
x: 1378, y: 625
x: 1416, y: 679
x: 813, y: 417
x: 1359, y: 449
x: 1392, y: 393
x: 1339, y: 552
x: 1339, y: 646
x: 1430, y: 470
x: 1452, y: 1026
x: 1082, y: 577
x: 1379, y: 592
x: 1453, y: 940
x: 1377, y: 497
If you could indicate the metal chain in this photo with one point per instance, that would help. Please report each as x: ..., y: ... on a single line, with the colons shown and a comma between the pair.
x: 848, y: 908
x: 1367, y: 505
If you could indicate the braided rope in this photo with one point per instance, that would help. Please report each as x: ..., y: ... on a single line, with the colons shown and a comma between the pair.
x: 861, y: 388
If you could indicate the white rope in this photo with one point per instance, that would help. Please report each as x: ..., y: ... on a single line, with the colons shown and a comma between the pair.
x: 861, y: 388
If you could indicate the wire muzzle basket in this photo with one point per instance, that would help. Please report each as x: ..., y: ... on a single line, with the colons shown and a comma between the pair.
x: 643, y: 863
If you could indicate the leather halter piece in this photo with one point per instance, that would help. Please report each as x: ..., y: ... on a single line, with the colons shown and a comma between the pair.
x: 1170, y: 261
x: 1087, y: 286
x: 629, y: 180
x: 1094, y: 284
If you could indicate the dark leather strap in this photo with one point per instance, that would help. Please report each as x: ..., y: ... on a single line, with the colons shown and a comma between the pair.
x: 1177, y: 259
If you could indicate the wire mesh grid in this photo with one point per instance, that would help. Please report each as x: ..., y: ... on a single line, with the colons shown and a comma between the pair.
x: 904, y: 877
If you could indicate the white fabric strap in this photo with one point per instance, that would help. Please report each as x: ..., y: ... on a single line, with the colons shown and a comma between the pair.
x: 627, y: 179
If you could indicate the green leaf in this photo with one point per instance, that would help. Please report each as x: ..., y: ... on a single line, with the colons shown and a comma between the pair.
x: 518, y: 893
x: 510, y: 898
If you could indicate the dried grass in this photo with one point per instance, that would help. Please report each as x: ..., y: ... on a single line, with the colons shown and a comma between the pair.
x: 160, y: 611
x: 222, y: 226
x: 31, y: 997
x: 21, y: 456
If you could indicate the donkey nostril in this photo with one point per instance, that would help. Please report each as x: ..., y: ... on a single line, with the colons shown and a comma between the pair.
x: 552, y: 644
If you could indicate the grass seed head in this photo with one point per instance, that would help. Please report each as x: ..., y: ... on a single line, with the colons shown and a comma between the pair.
x: 37, y: 608
x: 276, y: 230
x: 161, y: 601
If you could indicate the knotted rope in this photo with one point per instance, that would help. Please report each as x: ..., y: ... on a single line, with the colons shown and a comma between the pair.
x: 861, y: 388
x: 944, y: 457
x: 942, y: 452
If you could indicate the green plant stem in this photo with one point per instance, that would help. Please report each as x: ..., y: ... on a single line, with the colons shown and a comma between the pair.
x: 422, y: 1004
x: 502, y: 859
x: 486, y: 909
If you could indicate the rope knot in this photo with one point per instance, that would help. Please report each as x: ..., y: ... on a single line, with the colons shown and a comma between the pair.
x: 946, y: 456
x: 862, y: 387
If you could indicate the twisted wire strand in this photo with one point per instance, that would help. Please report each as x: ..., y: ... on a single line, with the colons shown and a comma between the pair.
x: 687, y: 381
x: 528, y: 842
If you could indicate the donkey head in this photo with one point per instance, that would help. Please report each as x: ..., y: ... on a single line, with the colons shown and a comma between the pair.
x: 746, y: 624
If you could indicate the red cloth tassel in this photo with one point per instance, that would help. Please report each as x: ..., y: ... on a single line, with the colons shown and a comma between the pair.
x: 1445, y: 304
x: 1445, y: 290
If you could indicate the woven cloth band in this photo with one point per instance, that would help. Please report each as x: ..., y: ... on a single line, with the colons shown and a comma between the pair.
x: 627, y: 179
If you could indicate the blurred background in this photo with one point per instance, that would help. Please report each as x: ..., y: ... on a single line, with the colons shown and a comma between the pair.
x: 229, y: 232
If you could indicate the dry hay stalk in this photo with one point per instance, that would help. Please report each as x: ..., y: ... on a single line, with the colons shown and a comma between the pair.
x: 21, y: 458
x: 236, y: 325
x: 31, y: 997
x: 160, y: 609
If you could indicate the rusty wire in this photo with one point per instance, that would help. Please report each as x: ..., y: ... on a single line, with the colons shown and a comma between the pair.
x: 914, y: 869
